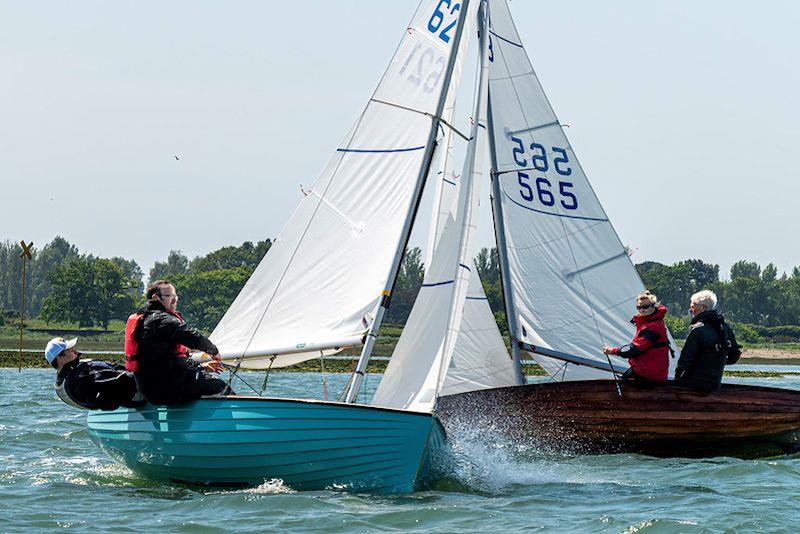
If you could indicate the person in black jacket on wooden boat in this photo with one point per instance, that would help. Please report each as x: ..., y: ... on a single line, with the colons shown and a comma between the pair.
x: 157, y: 351
x: 709, y: 346
x: 89, y: 384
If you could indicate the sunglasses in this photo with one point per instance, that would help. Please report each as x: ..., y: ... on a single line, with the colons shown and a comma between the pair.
x: 645, y: 307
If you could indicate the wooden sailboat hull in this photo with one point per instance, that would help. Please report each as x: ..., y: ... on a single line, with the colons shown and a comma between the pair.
x: 245, y: 441
x: 665, y: 420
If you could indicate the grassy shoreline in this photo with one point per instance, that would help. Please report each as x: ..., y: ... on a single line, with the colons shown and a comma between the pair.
x: 35, y: 360
x: 106, y: 343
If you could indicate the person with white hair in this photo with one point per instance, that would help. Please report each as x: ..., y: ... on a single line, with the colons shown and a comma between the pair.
x: 89, y: 384
x: 709, y: 346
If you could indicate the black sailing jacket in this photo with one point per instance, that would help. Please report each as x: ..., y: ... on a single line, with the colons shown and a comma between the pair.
x: 709, y: 346
x: 162, y: 337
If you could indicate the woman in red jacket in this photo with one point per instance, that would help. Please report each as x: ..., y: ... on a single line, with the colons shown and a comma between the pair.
x: 648, y: 353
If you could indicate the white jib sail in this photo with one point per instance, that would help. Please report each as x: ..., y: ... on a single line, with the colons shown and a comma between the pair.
x: 417, y: 368
x: 480, y: 358
x: 574, y: 286
x: 317, y: 288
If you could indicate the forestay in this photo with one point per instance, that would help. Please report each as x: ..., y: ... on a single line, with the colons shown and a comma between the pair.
x: 573, y: 284
x: 417, y: 368
x: 317, y: 288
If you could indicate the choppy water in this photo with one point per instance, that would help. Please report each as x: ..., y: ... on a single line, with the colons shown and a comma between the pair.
x: 53, y: 478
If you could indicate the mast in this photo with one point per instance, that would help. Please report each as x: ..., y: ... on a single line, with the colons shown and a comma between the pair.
x: 468, y: 177
x: 369, y: 344
x: 502, y: 252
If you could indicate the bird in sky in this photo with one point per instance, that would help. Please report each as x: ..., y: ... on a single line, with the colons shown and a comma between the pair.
x: 176, y: 157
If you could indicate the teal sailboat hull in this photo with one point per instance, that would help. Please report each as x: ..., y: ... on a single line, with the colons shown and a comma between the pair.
x: 245, y: 441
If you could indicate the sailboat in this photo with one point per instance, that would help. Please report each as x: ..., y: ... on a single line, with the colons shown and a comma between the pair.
x: 326, y: 283
x: 569, y: 288
x: 323, y: 287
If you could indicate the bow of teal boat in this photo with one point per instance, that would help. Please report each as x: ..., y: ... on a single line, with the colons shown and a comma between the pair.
x: 243, y: 441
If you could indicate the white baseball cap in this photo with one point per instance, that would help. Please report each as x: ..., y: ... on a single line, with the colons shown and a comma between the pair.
x: 56, y: 346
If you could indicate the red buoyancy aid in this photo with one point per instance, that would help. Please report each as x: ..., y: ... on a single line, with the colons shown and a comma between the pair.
x: 130, y: 342
x: 131, y: 347
x: 649, y: 349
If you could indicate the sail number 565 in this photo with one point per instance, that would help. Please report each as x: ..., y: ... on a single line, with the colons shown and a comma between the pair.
x: 437, y: 19
x: 540, y: 188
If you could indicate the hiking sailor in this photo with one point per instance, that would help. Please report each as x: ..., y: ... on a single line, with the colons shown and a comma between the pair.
x: 709, y: 346
x: 157, y: 344
x: 89, y: 384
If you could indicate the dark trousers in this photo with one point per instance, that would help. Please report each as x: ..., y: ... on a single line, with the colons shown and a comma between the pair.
x: 177, y: 381
x: 638, y: 380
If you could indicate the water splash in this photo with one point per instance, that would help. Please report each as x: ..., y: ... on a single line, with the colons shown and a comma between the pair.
x: 272, y: 487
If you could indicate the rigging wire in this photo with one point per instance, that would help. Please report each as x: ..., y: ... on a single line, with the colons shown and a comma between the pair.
x: 266, y: 376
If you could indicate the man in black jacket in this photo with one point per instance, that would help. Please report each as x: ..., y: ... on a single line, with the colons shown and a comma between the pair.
x: 709, y: 346
x: 89, y: 384
x: 165, y: 372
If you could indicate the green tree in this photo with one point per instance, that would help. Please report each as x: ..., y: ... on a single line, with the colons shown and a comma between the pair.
x: 675, y: 284
x: 11, y: 275
x: 406, y: 287
x: 246, y: 255
x: 88, y: 291
x: 769, y: 274
x: 55, y: 253
x: 177, y: 263
x: 488, y: 265
x: 134, y: 275
x: 745, y: 269
x: 205, y: 296
x: 72, y: 293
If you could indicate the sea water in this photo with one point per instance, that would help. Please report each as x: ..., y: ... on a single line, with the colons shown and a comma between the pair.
x: 53, y: 478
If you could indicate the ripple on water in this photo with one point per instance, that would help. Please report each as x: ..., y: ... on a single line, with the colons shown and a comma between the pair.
x: 46, y: 457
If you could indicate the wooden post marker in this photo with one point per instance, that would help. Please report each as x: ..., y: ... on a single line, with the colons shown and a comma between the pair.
x: 25, y: 255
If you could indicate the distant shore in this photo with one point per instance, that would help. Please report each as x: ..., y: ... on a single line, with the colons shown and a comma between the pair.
x: 755, y: 356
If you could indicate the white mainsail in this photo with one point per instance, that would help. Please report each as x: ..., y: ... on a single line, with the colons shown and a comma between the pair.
x: 318, y: 287
x: 416, y: 371
x: 572, y: 283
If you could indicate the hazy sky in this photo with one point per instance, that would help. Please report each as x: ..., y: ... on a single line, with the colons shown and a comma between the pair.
x: 684, y: 114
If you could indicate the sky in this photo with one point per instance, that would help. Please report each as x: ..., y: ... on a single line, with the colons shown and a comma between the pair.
x: 684, y: 115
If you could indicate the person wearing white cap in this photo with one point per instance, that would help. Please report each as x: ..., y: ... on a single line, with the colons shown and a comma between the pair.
x: 89, y: 384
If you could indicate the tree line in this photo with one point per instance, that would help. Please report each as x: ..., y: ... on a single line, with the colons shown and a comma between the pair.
x: 67, y: 285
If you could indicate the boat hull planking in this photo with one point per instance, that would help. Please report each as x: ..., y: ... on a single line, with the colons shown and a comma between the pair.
x: 664, y: 420
x: 245, y: 441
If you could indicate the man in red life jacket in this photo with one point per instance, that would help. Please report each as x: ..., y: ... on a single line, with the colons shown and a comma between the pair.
x: 158, y: 341
x: 648, y: 353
